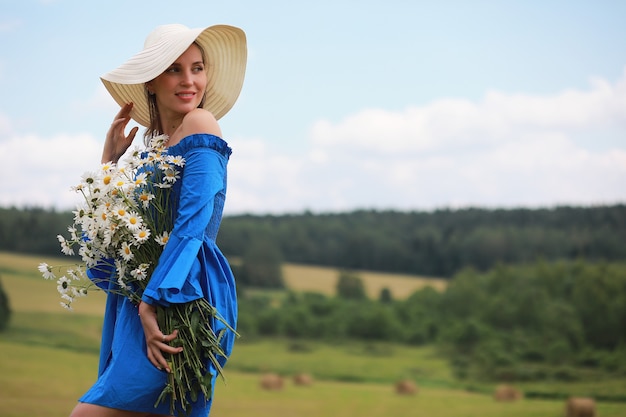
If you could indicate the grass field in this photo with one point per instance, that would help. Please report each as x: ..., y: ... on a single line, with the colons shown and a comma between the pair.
x: 324, y: 280
x: 49, y: 358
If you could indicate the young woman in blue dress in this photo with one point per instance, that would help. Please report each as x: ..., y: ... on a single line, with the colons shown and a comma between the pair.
x: 179, y: 85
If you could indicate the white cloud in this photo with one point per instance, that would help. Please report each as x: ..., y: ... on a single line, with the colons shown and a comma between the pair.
x: 505, y: 150
x: 39, y: 171
x: 460, y: 122
x: 263, y: 180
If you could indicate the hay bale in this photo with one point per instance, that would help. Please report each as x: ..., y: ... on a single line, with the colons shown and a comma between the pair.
x: 271, y: 382
x: 505, y: 392
x: 406, y: 387
x: 580, y: 407
x: 302, y: 380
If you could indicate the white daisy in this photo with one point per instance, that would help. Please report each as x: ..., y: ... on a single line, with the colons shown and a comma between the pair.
x: 79, y: 292
x: 155, y: 157
x: 75, y: 274
x: 120, y: 268
x: 65, y: 246
x: 46, y: 270
x: 119, y: 182
x: 140, y: 179
x: 107, y: 167
x: 101, y: 213
x: 142, y: 235
x: 110, y: 236
x: 79, y: 213
x: 177, y: 160
x: 140, y: 273
x: 123, y: 284
x: 89, y: 178
x: 170, y: 175
x: 133, y: 221
x: 145, y: 198
x: 126, y: 252
x: 134, y: 154
x: 72, y: 231
x: 162, y: 240
x: 66, y: 306
x: 63, y: 285
x: 120, y: 211
x: 159, y: 141
x: 107, y: 178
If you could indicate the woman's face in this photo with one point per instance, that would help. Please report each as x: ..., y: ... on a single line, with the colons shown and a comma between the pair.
x: 180, y: 88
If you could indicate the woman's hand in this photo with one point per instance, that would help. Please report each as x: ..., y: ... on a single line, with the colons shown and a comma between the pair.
x: 117, y: 142
x: 156, y: 341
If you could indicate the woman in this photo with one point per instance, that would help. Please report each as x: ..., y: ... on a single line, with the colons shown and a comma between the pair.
x: 178, y: 85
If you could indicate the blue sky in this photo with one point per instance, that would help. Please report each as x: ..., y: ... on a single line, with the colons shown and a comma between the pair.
x: 407, y: 105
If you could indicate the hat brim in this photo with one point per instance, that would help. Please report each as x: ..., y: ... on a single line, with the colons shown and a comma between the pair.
x: 224, y: 48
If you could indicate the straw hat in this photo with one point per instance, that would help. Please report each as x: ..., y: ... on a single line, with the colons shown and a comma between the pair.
x: 224, y: 48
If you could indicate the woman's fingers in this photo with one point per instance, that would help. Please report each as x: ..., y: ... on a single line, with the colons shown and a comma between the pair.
x: 158, y: 347
x: 124, y: 111
x: 169, y: 337
x: 157, y: 342
x: 131, y: 134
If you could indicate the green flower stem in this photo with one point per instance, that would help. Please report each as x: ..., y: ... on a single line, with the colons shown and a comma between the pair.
x: 190, y: 376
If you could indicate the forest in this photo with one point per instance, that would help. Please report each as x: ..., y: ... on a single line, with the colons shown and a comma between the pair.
x: 436, y: 243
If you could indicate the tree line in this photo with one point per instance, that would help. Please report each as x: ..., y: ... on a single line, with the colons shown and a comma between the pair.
x: 433, y: 243
x: 437, y: 243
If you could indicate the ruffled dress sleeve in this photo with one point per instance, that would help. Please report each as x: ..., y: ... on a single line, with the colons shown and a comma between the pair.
x: 175, y: 279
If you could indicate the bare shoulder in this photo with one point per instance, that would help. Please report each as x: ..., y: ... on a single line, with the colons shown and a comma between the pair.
x: 200, y: 121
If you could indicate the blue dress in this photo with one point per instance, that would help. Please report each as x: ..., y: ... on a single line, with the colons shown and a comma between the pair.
x: 190, y: 267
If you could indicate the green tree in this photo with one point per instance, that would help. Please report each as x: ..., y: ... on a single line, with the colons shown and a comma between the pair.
x: 385, y: 296
x: 599, y: 297
x: 5, y: 310
x: 261, y: 266
x: 350, y: 286
x: 420, y: 315
x: 367, y: 320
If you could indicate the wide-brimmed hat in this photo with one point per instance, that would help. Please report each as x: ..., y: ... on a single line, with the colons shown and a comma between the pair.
x: 224, y: 48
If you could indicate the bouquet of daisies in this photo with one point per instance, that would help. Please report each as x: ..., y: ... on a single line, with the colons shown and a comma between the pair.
x: 119, y: 231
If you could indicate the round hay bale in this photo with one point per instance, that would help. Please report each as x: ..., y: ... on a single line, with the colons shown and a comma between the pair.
x: 505, y: 392
x: 271, y: 382
x: 406, y: 387
x: 302, y: 379
x: 580, y: 407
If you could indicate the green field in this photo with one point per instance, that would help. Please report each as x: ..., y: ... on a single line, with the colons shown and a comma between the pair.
x: 49, y: 357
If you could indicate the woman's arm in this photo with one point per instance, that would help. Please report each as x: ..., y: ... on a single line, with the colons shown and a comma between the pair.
x: 203, y: 178
x: 174, y: 279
